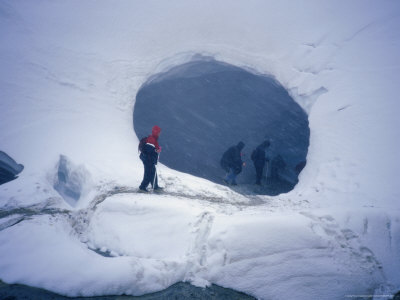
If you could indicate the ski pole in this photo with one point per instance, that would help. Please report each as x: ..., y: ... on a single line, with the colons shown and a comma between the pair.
x: 155, y: 176
x: 155, y: 170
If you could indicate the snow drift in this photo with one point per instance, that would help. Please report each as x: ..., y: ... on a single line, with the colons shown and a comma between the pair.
x: 69, y: 75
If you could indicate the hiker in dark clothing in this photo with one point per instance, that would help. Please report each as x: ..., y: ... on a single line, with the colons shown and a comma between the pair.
x: 149, y: 156
x: 232, y: 163
x: 259, y: 160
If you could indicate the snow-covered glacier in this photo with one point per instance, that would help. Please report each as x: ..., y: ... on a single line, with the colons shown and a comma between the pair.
x: 72, y: 222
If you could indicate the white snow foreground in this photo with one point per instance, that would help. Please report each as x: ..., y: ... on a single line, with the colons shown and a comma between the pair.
x: 145, y: 243
x: 69, y: 73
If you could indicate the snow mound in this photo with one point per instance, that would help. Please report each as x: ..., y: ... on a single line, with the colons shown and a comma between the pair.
x: 136, y: 244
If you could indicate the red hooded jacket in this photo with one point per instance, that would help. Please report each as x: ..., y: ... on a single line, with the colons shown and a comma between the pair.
x: 153, y: 138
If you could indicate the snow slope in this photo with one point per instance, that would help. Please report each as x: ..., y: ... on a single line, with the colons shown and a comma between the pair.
x: 69, y: 73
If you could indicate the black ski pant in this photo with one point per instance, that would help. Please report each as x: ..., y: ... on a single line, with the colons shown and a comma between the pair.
x: 148, y: 177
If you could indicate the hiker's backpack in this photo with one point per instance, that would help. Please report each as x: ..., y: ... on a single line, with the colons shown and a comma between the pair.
x: 142, y: 143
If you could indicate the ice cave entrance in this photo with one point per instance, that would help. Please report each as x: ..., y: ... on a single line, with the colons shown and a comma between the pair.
x: 206, y: 106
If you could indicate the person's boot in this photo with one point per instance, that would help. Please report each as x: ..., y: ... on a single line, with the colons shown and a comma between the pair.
x: 143, y: 189
x: 158, y: 189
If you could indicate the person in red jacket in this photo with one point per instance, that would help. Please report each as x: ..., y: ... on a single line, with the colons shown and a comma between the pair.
x: 149, y: 156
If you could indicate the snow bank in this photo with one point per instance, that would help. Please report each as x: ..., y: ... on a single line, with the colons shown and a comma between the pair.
x: 144, y: 243
x: 69, y: 74
x: 80, y: 272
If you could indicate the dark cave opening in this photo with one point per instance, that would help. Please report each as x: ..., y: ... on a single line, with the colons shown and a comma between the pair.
x: 206, y: 106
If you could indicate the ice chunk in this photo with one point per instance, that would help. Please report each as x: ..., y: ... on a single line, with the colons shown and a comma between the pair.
x: 70, y: 180
x: 9, y: 169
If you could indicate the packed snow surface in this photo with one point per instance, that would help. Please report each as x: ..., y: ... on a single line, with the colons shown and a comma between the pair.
x: 69, y: 75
